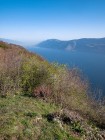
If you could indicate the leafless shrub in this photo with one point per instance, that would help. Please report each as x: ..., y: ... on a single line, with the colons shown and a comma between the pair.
x: 42, y: 91
x: 69, y: 89
x: 10, y: 70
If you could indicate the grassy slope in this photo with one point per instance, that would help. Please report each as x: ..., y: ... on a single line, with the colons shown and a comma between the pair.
x: 18, y: 120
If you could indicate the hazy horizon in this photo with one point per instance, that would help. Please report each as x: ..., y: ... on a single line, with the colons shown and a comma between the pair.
x: 30, y: 43
x: 37, y: 20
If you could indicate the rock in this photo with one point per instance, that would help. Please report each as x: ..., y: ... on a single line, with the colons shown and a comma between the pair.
x: 71, y: 116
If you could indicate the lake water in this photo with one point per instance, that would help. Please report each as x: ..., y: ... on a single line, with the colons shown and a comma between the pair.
x: 92, y: 65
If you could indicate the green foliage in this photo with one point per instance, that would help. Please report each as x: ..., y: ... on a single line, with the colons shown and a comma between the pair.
x: 78, y: 128
x: 31, y: 114
x: 52, y: 132
x: 34, y: 73
x: 4, y: 46
x: 18, y: 120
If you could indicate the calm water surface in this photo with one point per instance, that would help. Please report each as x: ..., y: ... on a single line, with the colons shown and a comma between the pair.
x: 91, y: 64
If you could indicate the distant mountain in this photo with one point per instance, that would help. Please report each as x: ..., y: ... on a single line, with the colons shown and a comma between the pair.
x: 12, y: 41
x: 84, y: 44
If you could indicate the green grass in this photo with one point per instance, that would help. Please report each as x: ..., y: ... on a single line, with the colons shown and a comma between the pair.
x: 18, y: 120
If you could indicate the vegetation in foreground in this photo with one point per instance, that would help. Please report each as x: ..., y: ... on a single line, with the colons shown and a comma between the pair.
x: 44, y: 101
x: 23, y: 118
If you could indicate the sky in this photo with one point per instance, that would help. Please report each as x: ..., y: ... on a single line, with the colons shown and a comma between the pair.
x: 35, y: 20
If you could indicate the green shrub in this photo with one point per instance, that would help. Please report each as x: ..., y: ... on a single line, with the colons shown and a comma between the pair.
x: 31, y: 114
x: 33, y: 74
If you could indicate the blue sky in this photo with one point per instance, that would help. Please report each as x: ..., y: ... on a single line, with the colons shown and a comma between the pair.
x: 35, y: 20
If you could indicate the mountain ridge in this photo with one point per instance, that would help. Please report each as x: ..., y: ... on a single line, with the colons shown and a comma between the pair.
x: 83, y: 44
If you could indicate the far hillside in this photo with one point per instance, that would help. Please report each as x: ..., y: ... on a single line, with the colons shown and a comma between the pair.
x: 84, y: 44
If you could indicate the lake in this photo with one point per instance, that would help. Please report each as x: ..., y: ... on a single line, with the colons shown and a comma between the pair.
x: 92, y: 65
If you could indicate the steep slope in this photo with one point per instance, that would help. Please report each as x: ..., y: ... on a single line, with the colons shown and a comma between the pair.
x: 23, y: 120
